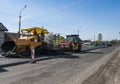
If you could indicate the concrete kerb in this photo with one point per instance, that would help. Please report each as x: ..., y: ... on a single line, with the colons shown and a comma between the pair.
x: 92, y: 48
x: 23, y: 62
x: 14, y: 63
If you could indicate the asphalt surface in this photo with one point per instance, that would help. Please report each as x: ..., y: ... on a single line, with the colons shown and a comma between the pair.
x: 11, y: 61
x: 72, y: 68
x: 107, y: 73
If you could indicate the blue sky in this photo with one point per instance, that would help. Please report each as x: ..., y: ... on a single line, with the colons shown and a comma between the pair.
x: 90, y: 17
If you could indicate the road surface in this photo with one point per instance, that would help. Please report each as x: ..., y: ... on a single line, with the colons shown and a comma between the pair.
x: 73, y: 68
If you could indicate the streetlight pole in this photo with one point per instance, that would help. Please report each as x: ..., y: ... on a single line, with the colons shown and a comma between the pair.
x: 78, y: 32
x: 94, y: 37
x: 20, y: 19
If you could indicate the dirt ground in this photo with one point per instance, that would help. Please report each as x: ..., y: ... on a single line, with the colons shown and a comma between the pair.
x: 108, y: 73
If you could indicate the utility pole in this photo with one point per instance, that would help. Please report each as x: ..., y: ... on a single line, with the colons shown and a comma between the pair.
x: 78, y: 32
x: 20, y: 19
x: 94, y: 37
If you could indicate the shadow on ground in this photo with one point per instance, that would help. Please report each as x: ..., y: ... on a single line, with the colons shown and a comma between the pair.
x: 65, y: 56
x: 3, y: 70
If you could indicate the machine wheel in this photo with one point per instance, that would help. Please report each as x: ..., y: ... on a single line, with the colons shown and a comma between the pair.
x: 71, y: 48
x: 79, y: 48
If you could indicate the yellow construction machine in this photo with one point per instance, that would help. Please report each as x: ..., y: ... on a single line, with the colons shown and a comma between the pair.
x: 30, y: 37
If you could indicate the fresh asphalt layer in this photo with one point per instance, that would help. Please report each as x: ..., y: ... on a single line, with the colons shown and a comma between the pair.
x: 6, y: 62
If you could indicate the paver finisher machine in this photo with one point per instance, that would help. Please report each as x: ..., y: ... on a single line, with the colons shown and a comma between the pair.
x: 30, y: 37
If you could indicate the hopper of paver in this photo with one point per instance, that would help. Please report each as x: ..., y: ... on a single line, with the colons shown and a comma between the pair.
x: 8, y: 46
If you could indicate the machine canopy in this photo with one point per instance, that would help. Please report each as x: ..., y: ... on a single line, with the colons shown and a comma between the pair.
x: 35, y: 30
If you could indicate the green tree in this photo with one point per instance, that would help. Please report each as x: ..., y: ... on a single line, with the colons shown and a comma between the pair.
x: 100, y: 37
x: 59, y: 39
x: 50, y: 38
x: 54, y: 38
x: 99, y: 40
x: 115, y: 41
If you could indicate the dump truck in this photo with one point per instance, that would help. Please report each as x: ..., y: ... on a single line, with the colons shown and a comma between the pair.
x: 30, y: 37
x: 72, y: 43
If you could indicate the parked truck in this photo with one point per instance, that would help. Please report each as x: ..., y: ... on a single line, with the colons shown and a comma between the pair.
x: 30, y: 37
x: 72, y: 43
